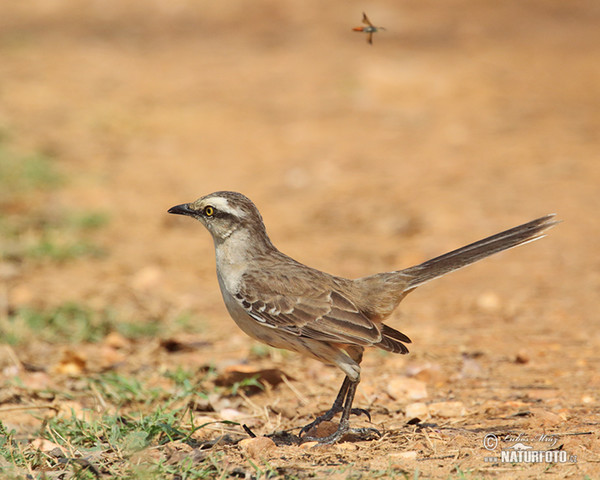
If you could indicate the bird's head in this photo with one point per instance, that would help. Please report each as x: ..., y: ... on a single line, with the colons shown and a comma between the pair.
x: 223, y: 213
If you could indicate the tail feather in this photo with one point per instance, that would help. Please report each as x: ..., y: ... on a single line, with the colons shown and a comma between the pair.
x: 461, y: 257
x: 392, y: 340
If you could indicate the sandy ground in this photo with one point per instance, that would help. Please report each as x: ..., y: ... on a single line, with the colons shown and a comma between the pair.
x: 462, y: 119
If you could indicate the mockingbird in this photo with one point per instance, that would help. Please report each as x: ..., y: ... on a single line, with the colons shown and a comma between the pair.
x: 285, y: 304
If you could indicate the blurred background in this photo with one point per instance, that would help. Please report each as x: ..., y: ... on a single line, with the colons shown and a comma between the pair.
x: 462, y: 119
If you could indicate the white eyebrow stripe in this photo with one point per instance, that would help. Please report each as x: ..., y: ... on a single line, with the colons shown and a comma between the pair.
x: 223, y: 205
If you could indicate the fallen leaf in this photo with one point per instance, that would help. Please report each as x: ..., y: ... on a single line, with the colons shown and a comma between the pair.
x: 49, y: 448
x: 116, y: 340
x: 183, y: 343
x: 10, y: 395
x: 238, y: 373
x: 110, y: 357
x: 72, y: 363
x: 43, y: 445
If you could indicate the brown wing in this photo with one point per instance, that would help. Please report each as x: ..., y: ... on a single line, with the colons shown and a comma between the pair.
x: 366, y: 20
x: 306, y: 304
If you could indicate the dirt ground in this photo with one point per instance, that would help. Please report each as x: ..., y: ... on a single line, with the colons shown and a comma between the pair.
x: 462, y: 119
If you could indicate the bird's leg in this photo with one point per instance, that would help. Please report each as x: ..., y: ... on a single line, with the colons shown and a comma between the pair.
x: 336, y: 408
x: 348, y: 391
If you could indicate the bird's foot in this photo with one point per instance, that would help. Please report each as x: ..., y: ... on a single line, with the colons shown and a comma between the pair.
x: 343, y: 431
x: 327, y: 416
x: 361, y: 411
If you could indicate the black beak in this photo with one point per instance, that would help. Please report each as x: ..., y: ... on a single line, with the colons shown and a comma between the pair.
x: 183, y: 209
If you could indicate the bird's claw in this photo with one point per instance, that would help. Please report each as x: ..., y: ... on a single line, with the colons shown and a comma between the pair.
x: 328, y: 416
x: 361, y: 411
x: 343, y: 431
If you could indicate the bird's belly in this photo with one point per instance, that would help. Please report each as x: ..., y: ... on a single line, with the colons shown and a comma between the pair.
x: 278, y: 338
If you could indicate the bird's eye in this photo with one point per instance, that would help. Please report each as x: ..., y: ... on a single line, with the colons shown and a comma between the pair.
x: 209, y: 211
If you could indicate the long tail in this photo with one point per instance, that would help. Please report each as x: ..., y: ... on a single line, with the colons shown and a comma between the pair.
x: 461, y: 257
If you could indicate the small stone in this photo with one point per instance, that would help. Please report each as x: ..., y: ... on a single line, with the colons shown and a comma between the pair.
x: 347, y: 447
x: 547, y: 418
x: 204, y: 420
x: 107, y: 357
x: 308, y: 445
x: 230, y: 414
x: 429, y: 373
x: 471, y: 368
x: 200, y: 404
x: 116, y: 340
x: 410, y: 388
x: 447, y: 409
x: 72, y: 363
x: 410, y: 455
x: 522, y: 357
x: 489, y: 302
x: 257, y: 447
x: 417, y: 410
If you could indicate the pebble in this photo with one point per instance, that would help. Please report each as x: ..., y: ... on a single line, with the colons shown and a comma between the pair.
x: 410, y: 388
x: 430, y: 373
x: 417, y: 410
x: 489, y: 302
x: 410, y: 455
x: 448, y: 409
x: 522, y: 357
x: 347, y: 447
x: 257, y: 447
x: 230, y: 414
x: 547, y: 418
x: 308, y: 445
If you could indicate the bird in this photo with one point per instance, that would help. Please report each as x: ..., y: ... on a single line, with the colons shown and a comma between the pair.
x: 288, y: 305
x: 370, y: 29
